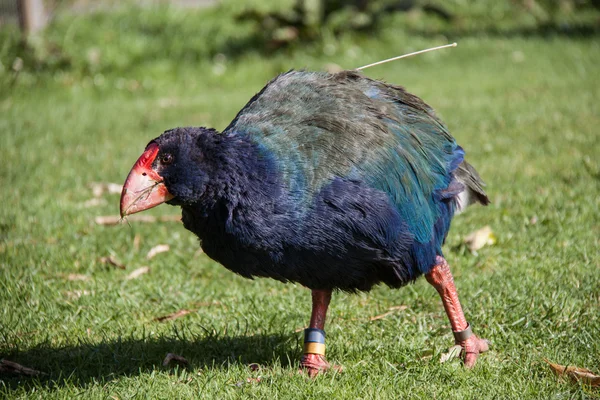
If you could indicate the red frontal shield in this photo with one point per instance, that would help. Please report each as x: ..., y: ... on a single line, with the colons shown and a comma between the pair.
x: 143, y: 188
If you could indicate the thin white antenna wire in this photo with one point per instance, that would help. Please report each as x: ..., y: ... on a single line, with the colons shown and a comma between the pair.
x: 406, y: 55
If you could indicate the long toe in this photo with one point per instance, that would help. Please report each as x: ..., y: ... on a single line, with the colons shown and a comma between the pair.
x: 314, y: 364
x: 472, y: 347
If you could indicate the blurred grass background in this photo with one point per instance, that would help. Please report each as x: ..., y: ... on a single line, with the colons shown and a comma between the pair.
x: 79, y: 101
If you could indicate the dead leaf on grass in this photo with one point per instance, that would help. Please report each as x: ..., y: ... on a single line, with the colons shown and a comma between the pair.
x: 480, y: 238
x: 107, y: 220
x: 161, y: 248
x: 575, y: 373
x: 114, y: 188
x: 94, y: 202
x: 11, y: 367
x: 333, y: 68
x: 99, y: 188
x: 453, y: 352
x: 175, y: 315
x: 166, y: 102
x: 248, y: 380
x: 112, y: 261
x: 254, y: 366
x: 170, y: 218
x: 174, y: 358
x: 392, y: 310
x: 78, y: 277
x: 75, y: 294
x: 137, y: 273
x: 207, y: 303
x: 136, y: 242
x: 426, y: 354
x: 115, y: 219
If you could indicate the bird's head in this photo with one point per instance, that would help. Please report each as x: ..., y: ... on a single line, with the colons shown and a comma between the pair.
x: 172, y: 169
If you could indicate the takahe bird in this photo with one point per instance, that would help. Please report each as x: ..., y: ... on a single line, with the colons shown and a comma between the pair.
x: 334, y: 181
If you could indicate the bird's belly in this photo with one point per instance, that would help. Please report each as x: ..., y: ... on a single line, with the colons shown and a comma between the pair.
x: 351, y: 238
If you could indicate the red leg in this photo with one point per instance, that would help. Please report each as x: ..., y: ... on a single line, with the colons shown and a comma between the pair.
x: 441, y: 279
x: 315, y: 363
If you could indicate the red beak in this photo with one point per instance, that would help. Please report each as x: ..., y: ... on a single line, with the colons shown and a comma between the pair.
x: 144, y: 188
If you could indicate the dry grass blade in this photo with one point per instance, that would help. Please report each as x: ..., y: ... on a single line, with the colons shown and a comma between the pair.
x: 391, y: 311
x: 11, y: 367
x: 137, y: 273
x: 174, y: 358
x: 161, y: 248
x: 112, y: 261
x: 575, y: 373
x: 175, y: 315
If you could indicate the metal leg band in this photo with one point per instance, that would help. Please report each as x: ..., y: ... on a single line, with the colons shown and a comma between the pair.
x: 461, y: 336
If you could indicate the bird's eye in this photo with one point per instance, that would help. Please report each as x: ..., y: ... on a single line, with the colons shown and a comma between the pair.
x: 166, y: 159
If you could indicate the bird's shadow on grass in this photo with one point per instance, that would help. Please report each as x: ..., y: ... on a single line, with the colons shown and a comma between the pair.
x: 87, y: 362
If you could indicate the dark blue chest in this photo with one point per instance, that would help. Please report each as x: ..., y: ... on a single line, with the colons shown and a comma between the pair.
x: 350, y: 237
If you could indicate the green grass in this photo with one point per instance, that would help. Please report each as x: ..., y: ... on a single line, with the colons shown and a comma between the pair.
x: 525, y: 108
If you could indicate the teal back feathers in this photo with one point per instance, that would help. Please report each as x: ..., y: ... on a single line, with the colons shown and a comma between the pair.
x: 320, y: 126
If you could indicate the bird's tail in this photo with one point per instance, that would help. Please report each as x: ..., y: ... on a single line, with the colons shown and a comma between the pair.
x: 473, y: 192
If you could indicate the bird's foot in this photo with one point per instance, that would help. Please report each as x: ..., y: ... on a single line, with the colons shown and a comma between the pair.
x: 471, y: 348
x: 314, y: 364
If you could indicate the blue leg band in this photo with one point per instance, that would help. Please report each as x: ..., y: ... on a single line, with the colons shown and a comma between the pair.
x: 314, y: 335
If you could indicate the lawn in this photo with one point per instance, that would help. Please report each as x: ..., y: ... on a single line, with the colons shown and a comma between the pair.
x: 523, y: 103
